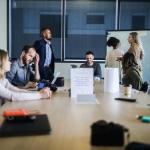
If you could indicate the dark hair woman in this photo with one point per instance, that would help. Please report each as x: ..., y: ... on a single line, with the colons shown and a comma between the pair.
x: 132, y: 74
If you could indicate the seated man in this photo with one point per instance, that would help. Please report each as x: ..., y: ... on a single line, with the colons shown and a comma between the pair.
x: 21, y: 73
x: 132, y: 74
x: 89, y: 56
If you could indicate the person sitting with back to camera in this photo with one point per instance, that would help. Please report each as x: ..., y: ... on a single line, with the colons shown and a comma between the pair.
x: 21, y: 73
x: 131, y: 71
x: 115, y: 55
x: 12, y: 93
x: 89, y: 56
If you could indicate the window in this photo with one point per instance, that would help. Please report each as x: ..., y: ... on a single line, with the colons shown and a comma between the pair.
x: 134, y: 14
x: 54, y: 22
x: 88, y: 21
x: 95, y: 19
x: 27, y: 18
x: 77, y: 25
x: 138, y: 22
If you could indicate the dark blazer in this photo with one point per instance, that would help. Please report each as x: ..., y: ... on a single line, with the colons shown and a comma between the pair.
x: 40, y: 47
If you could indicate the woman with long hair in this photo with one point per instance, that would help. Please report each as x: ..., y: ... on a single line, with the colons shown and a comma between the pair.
x: 132, y: 74
x: 12, y: 93
x: 136, y: 47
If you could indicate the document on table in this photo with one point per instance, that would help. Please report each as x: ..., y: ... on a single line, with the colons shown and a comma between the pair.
x: 86, y: 99
x: 81, y: 81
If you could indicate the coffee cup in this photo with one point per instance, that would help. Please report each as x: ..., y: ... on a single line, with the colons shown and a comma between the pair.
x: 128, y: 90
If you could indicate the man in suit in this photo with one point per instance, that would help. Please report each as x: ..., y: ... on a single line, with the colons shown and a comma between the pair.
x: 46, y: 54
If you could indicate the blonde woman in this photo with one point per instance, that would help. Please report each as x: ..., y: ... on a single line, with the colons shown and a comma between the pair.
x: 12, y: 93
x: 136, y: 48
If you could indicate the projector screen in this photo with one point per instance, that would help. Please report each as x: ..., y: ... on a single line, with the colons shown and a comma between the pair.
x: 144, y: 36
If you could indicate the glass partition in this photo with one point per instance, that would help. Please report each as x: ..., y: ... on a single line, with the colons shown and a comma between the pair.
x: 87, y: 22
x: 27, y: 17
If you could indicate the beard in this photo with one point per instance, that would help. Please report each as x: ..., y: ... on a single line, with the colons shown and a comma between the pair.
x: 25, y: 61
x: 49, y: 38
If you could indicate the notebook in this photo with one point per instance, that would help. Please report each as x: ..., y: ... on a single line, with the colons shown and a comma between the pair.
x: 40, y: 125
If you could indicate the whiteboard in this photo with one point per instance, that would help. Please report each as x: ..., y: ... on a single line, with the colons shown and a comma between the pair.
x: 144, y: 36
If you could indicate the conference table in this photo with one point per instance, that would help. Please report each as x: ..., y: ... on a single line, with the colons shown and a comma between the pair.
x: 71, y: 122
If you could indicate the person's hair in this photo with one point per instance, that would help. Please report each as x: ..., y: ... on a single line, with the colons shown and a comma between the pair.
x: 26, y: 48
x: 89, y: 53
x: 128, y: 60
x: 43, y: 30
x: 114, y: 42
x: 135, y: 37
x: 3, y: 58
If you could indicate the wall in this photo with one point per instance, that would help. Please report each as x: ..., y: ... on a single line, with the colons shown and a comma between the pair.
x: 3, y: 24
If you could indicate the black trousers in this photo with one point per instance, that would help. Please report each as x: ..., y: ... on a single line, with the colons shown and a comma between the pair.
x: 48, y: 73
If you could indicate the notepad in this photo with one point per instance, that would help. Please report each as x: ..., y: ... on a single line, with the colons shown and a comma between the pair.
x: 40, y: 125
x: 86, y: 99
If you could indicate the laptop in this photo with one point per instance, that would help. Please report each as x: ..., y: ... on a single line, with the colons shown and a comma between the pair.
x: 39, y: 125
x: 55, y: 77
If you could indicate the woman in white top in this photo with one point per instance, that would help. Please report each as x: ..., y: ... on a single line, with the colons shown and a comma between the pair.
x: 12, y: 93
x: 114, y: 56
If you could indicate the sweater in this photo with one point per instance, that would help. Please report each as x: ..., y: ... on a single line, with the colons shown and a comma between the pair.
x: 12, y: 93
x: 133, y: 77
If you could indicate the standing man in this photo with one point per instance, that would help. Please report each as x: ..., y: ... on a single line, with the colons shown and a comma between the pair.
x: 46, y: 54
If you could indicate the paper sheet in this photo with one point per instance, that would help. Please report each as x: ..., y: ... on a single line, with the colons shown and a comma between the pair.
x: 111, y: 80
x: 81, y: 81
x: 86, y: 99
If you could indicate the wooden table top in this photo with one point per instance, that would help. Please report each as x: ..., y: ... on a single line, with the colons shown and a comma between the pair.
x: 71, y: 122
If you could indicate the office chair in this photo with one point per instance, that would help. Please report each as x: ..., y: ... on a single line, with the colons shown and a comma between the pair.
x: 74, y: 66
x: 145, y: 87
